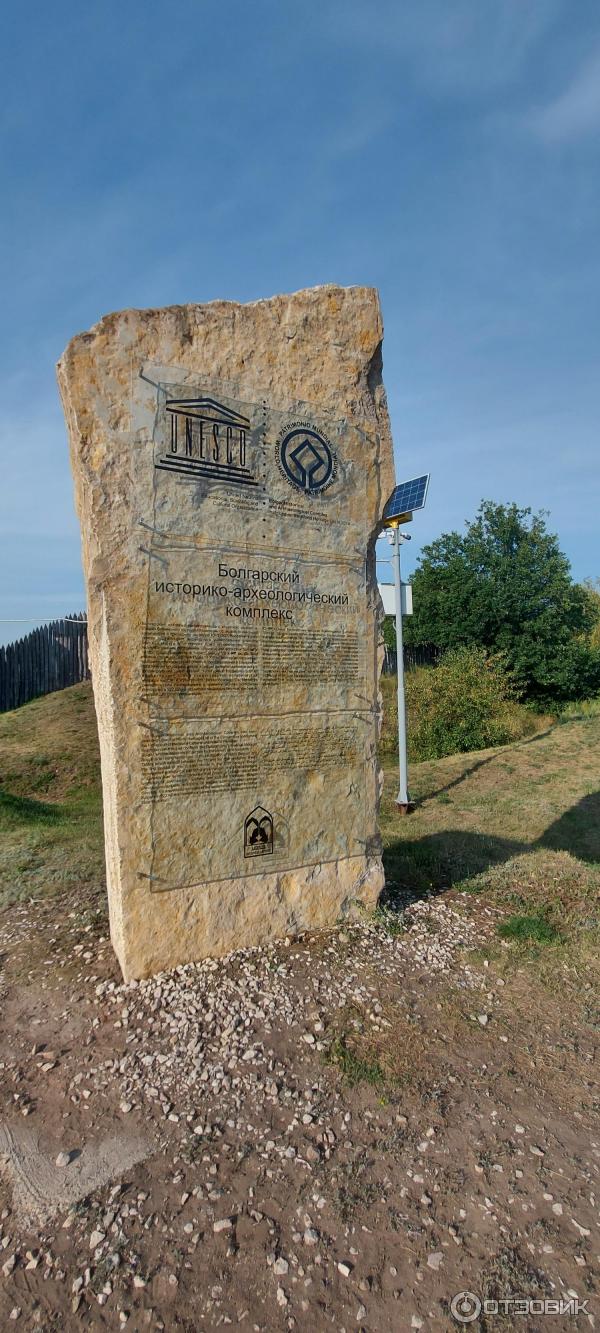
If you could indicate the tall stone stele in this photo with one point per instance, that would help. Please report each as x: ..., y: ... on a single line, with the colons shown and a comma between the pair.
x: 231, y: 463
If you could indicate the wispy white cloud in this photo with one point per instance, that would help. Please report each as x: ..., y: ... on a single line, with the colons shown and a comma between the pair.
x: 575, y: 113
x: 356, y: 129
x: 451, y: 48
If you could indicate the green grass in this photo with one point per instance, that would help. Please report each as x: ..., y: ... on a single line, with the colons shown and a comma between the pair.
x: 50, y: 796
x: 535, y: 928
x: 355, y: 1068
x: 519, y: 827
x: 21, y: 811
x: 582, y: 711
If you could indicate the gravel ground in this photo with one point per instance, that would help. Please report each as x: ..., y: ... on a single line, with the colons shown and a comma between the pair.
x: 340, y: 1132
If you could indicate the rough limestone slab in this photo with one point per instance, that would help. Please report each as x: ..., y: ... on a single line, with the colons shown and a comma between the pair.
x: 41, y: 1189
x: 231, y: 463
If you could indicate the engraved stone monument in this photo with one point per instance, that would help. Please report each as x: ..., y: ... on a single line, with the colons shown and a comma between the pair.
x: 231, y: 463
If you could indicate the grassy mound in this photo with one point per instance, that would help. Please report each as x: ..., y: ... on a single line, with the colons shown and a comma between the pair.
x: 518, y: 824
x: 50, y: 796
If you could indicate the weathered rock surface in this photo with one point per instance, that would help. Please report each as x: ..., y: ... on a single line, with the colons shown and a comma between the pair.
x: 231, y: 464
x: 42, y: 1187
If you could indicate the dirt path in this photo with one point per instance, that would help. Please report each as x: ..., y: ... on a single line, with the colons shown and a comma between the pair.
x: 338, y: 1133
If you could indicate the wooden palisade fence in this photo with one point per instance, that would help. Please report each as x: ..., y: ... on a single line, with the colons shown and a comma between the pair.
x: 422, y: 654
x: 50, y: 658
x: 56, y: 655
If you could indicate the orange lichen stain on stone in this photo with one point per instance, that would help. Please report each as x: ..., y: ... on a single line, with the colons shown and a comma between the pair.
x: 97, y: 458
x: 366, y: 340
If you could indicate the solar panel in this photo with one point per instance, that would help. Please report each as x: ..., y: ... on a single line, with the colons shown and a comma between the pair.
x: 407, y: 497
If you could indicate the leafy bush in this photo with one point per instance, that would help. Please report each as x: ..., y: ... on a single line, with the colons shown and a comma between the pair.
x: 468, y: 702
x: 576, y: 674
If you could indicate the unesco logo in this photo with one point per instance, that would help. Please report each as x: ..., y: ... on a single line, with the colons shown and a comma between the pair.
x: 306, y: 458
x: 207, y: 441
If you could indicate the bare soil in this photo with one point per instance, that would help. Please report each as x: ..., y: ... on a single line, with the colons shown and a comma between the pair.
x: 440, y: 1153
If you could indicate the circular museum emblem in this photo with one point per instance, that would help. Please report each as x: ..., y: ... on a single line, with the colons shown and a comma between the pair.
x: 306, y: 458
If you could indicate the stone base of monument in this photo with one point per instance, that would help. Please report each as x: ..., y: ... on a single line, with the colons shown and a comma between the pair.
x: 230, y: 465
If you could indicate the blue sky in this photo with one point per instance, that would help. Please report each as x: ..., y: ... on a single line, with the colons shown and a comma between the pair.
x: 445, y: 151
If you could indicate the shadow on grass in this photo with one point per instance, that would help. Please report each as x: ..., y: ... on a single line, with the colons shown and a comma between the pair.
x: 25, y: 810
x: 434, y: 863
x: 577, y: 831
x: 481, y: 763
x: 437, y: 861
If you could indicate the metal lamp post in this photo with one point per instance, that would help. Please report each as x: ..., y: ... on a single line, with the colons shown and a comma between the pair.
x: 407, y: 497
x: 402, y: 800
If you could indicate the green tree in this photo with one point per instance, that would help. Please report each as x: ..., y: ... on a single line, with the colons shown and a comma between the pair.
x: 506, y: 586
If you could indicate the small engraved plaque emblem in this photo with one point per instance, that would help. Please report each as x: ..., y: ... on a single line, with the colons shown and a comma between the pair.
x: 306, y: 458
x: 258, y: 833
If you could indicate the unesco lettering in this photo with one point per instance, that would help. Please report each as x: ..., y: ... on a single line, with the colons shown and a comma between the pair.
x: 206, y: 441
